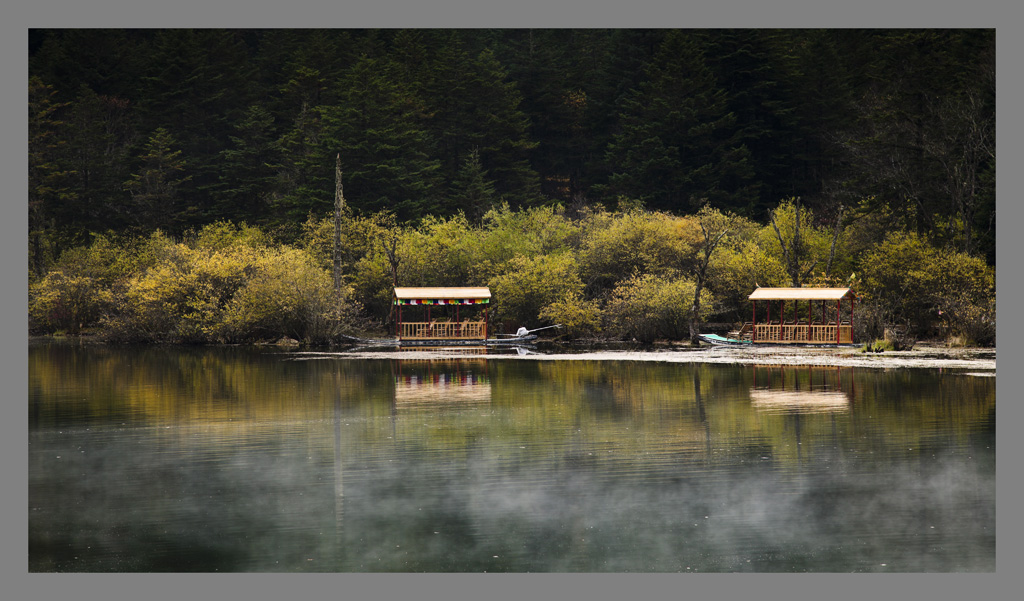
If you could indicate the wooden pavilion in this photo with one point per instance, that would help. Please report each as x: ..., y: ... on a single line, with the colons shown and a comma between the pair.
x: 446, y: 303
x: 778, y: 316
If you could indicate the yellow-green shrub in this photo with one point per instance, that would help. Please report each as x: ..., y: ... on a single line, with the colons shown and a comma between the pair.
x: 625, y: 243
x: 578, y: 317
x: 647, y: 307
x: 220, y: 235
x: 287, y: 294
x: 907, y: 280
x: 67, y: 302
x: 223, y: 287
x: 737, y: 269
x: 440, y: 252
x: 528, y: 232
x: 360, y: 236
x: 182, y: 297
x: 530, y: 284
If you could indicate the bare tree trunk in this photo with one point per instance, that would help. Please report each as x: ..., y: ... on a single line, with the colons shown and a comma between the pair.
x: 835, y: 240
x: 339, y: 204
x: 714, y: 227
x: 790, y: 257
x: 390, y: 248
x: 695, y: 312
x: 792, y: 254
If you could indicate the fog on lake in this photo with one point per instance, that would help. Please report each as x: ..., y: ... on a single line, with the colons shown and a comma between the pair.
x: 179, y: 459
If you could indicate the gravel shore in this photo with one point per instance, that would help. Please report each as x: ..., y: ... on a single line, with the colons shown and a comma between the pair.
x: 981, y: 361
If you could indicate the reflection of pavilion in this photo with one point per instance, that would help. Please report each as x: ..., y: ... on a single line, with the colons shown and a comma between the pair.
x: 435, y: 381
x: 804, y: 389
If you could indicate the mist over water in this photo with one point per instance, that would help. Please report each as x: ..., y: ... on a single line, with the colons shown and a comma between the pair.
x: 163, y: 459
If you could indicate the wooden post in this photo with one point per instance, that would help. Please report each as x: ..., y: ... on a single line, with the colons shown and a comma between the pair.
x: 809, y: 303
x: 839, y: 305
x: 782, y: 320
x: 753, y: 320
x: 852, y: 299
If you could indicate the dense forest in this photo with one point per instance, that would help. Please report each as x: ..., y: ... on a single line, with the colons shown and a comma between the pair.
x: 585, y: 175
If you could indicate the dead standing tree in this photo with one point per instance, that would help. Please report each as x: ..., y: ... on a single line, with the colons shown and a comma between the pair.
x: 390, y: 235
x: 838, y: 228
x: 339, y: 206
x: 796, y: 250
x: 714, y: 227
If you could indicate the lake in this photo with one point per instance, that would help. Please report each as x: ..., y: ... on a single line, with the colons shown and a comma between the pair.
x: 239, y: 459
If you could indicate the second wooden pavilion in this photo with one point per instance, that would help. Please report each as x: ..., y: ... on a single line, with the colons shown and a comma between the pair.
x: 800, y: 316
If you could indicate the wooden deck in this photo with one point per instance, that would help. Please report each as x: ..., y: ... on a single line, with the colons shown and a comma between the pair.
x: 803, y: 333
x: 443, y: 330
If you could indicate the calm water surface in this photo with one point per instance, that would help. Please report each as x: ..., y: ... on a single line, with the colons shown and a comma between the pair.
x: 227, y: 459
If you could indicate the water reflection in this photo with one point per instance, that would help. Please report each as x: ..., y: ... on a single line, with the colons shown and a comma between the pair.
x: 440, y: 381
x: 801, y: 390
x: 160, y: 459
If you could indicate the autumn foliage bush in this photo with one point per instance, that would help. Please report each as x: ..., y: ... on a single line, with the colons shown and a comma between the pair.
x: 528, y: 285
x: 220, y: 284
x: 63, y: 302
x: 936, y: 292
x: 649, y: 307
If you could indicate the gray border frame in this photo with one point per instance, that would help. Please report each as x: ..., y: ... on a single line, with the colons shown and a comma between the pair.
x: 19, y: 584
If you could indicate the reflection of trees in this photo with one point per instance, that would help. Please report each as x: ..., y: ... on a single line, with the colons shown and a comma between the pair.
x: 592, y: 412
x: 892, y: 409
x: 339, y: 487
x: 200, y: 387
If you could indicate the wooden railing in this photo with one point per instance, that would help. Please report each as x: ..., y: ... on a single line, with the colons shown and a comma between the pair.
x: 443, y: 330
x: 803, y: 333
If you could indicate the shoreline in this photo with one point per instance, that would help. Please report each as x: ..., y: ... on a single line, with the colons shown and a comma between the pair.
x: 922, y: 356
x: 983, y: 360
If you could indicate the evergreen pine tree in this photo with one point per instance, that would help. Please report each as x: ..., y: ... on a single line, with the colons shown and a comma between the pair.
x: 823, y: 93
x: 470, y: 191
x: 755, y: 67
x: 472, y: 105
x: 378, y: 129
x: 99, y: 149
x: 304, y: 180
x: 49, y: 179
x: 155, y: 188
x: 248, y: 169
x: 199, y: 82
x: 677, y: 143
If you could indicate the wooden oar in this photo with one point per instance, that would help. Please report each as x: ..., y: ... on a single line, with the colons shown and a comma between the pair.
x: 524, y: 331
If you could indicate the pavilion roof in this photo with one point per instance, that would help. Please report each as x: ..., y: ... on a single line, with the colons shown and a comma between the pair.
x: 801, y: 294
x: 442, y: 293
